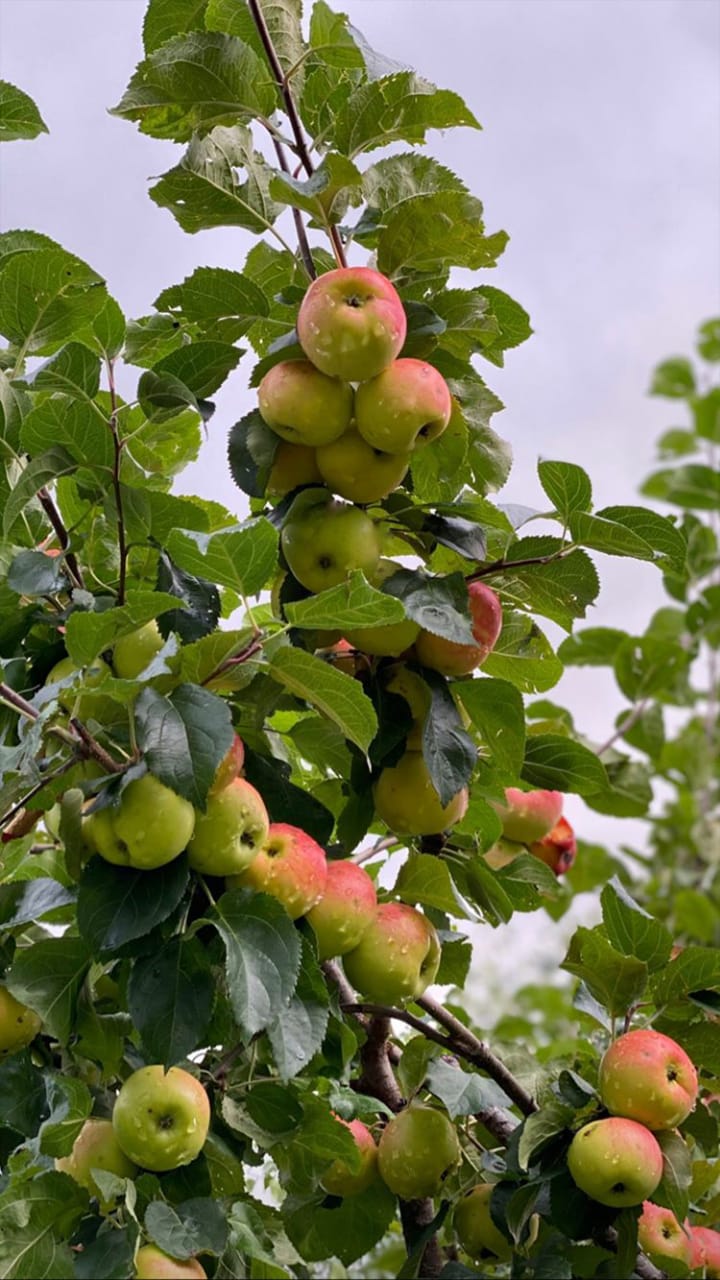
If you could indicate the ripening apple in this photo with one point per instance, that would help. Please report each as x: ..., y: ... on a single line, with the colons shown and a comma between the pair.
x: 231, y: 831
x: 475, y: 1228
x: 149, y: 826
x: 617, y: 1162
x: 408, y: 803
x: 351, y: 323
x: 324, y: 543
x: 152, y: 1264
x: 397, y: 957
x: 410, y: 686
x: 96, y: 1147
x: 418, y: 1149
x: 293, y: 465
x: 558, y: 849
x: 303, y: 405
x: 529, y: 816
x: 647, y: 1077
x: 230, y: 767
x: 160, y: 1118
x: 346, y: 909
x: 132, y: 653
x: 705, y: 1251
x: 290, y: 866
x: 453, y: 659
x: 340, y: 1179
x: 18, y: 1024
x: 392, y: 638
x: 354, y: 469
x: 660, y: 1232
x: 404, y: 407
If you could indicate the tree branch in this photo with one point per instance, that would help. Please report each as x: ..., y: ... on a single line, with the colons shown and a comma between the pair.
x: 504, y: 566
x: 118, y: 445
x: 93, y: 749
x: 631, y: 718
x: 466, y: 1045
x: 80, y: 739
x: 61, y: 532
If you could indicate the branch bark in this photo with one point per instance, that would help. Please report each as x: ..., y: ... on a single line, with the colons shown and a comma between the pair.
x: 48, y: 505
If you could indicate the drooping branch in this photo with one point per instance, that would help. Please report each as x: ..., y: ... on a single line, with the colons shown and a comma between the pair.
x: 625, y: 725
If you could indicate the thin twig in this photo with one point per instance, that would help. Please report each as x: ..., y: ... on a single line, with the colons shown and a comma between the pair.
x: 93, y: 748
x: 303, y: 243
x: 506, y: 566
x: 18, y: 702
x: 229, y: 663
x: 53, y: 515
x: 118, y: 446
x: 30, y: 795
x: 625, y: 725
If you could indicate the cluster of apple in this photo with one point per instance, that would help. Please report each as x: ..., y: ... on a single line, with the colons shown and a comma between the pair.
x: 533, y: 822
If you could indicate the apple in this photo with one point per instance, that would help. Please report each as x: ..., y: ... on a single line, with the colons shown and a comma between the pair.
x: 397, y: 957
x: 230, y: 767
x: 293, y: 465
x: 616, y: 1161
x: 149, y: 826
x: 647, y: 1077
x: 408, y: 803
x: 161, y: 1119
x: 230, y: 832
x: 18, y: 1024
x: 418, y: 1149
x: 303, y: 405
x: 393, y: 638
x: 409, y: 685
x: 351, y: 323
x: 354, y: 469
x: 346, y: 909
x: 558, y: 848
x: 453, y: 659
x: 405, y: 406
x: 152, y: 1264
x: 528, y: 816
x: 325, y: 542
x: 339, y: 1179
x: 660, y: 1232
x: 133, y: 652
x: 705, y: 1251
x: 502, y: 853
x: 96, y: 1147
x: 290, y: 866
x: 475, y: 1228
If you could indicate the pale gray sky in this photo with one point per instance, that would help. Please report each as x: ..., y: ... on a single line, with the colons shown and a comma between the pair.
x: 600, y: 156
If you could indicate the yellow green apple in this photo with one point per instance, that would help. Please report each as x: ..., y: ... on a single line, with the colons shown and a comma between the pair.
x: 152, y: 1264
x: 340, y: 1179
x: 96, y: 1147
x: 354, y: 469
x: 160, y: 1118
x: 231, y: 831
x: 475, y: 1228
x: 617, y: 1162
x: 18, y: 1024
x: 293, y: 465
x: 303, y: 405
x: 325, y: 542
x: 149, y: 826
x: 418, y: 1148
x: 408, y: 803
x: 397, y: 957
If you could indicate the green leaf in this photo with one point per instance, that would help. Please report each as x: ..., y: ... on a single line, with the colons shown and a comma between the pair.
x: 561, y: 590
x: 48, y: 976
x: 184, y: 738
x: 461, y: 1092
x: 628, y: 793
x: 326, y: 195
x: 523, y: 656
x: 29, y: 900
x: 438, y: 604
x: 201, y: 366
x: 36, y: 1225
x: 70, y: 1103
x: 426, y: 879
x: 396, y: 178
x: 74, y: 371
x: 347, y: 1230
x: 170, y: 999
x: 512, y: 320
x: 694, y: 969
x: 351, y: 605
x: 215, y: 299
x: 434, y: 232
x: 72, y: 425
x: 262, y: 957
x: 567, y: 486
x: 448, y: 751
x: 244, y: 558
x: 111, y: 1254
x: 19, y: 116
x: 395, y: 108
x: 167, y: 18
x: 708, y: 341
x: 298, y: 1033
x: 615, y: 980
x: 162, y: 396
x: 89, y: 634
x: 47, y: 297
x: 592, y: 647
x: 631, y: 929
x: 660, y: 531
x: 200, y: 610
x: 438, y: 473
x: 541, y: 1128
x: 194, y: 82
x: 149, y: 338
x: 282, y: 18
x: 496, y: 710
x: 203, y: 190
x: 335, y: 694
x: 694, y: 486
x: 673, y: 379
x: 608, y: 536
x: 286, y: 802
x: 23, y: 1100
x: 555, y: 763
x: 706, y: 412
x: 194, y: 1226
x: 107, y: 330
x: 674, y: 1189
x: 116, y: 905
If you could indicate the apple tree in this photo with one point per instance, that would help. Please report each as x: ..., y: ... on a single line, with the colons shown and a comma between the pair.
x: 260, y: 775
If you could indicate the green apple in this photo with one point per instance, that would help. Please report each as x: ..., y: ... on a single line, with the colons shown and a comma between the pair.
x: 397, y: 957
x: 647, y: 1077
x: 293, y: 465
x: 705, y: 1251
x: 133, y: 653
x: 404, y: 407
x: 231, y: 831
x: 150, y: 826
x: 290, y: 866
x: 339, y: 1179
x: 475, y: 1228
x: 418, y: 1148
x: 303, y: 405
x: 392, y: 639
x: 453, y: 659
x: 96, y: 1147
x: 529, y: 816
x: 230, y: 767
x: 325, y: 542
x: 160, y: 1118
x: 354, y: 469
x: 18, y: 1024
x: 351, y: 323
x: 408, y: 803
x: 346, y: 909
x: 616, y: 1161
x: 558, y: 848
x: 152, y: 1264
x: 410, y: 686
x: 660, y: 1232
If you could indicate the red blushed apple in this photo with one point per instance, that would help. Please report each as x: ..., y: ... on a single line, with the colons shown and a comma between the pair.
x: 617, y: 1162
x: 343, y: 656
x: 397, y: 957
x: 351, y: 323
x: 660, y: 1232
x: 303, y: 405
x: 230, y: 767
x: 290, y: 866
x: 647, y: 1077
x: 558, y: 848
x: 502, y: 853
x: 345, y: 911
x: 405, y: 406
x: 453, y: 659
x: 339, y: 1179
x: 529, y: 816
x: 705, y: 1251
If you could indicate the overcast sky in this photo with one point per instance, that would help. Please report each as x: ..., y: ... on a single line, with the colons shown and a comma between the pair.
x: 600, y: 156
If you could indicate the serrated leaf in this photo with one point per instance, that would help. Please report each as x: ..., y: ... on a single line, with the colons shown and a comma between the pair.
x: 200, y: 599
x: 282, y: 18
x: 286, y: 802
x: 184, y: 738
x: 693, y: 486
x: 36, y: 1226
x: 426, y: 879
x: 46, y: 298
x: 203, y: 190
x: 560, y: 590
x: 70, y: 1103
x: 541, y: 1128
x: 618, y: 982
x: 244, y: 558
x: 73, y: 371
x: 335, y: 694
x: 49, y: 466
x: 523, y: 656
x: 351, y: 605
x: 88, y: 634
x: 62, y: 422
x: 674, y: 1188
x: 496, y: 709
x: 633, y: 930
x: 592, y: 647
x: 297, y: 1035
x: 628, y: 793
x: 201, y: 366
x: 170, y: 999
x: 19, y: 116
x: 661, y: 532
x: 437, y: 231
x: 346, y: 1231
x: 262, y: 950
x: 448, y: 751
x: 215, y: 295
x: 608, y: 536
x: 438, y: 473
x: 567, y: 486
x: 118, y: 904
x: 463, y: 1093
x: 694, y: 969
x: 23, y: 1100
x: 438, y: 604
x: 167, y: 18
x: 191, y: 1227
x: 29, y: 900
x: 109, y: 1255
x: 326, y: 194
x: 555, y: 763
x: 394, y: 108
x: 48, y: 977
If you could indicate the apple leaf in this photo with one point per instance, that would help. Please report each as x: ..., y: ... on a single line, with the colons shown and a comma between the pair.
x: 347, y: 1230
x: 201, y: 366
x: 23, y: 1099
x: 70, y: 1103
x: 203, y: 190
x: 194, y: 1226
x: 184, y: 737
x: 326, y: 195
x: 48, y: 467
x: 262, y: 956
x: 591, y: 647
x: 674, y: 379
x: 201, y: 606
x: 394, y: 108
x: 116, y: 905
x: 111, y: 1254
x: 19, y: 116
x: 463, y: 1093
x: 674, y: 1188
x: 694, y: 969
x: 448, y: 751
x: 437, y: 231
x: 541, y: 1128
x: 297, y: 1035
x: 215, y: 299
x: 243, y: 559
x: 37, y: 1223
x: 559, y: 764
x: 167, y: 18
x: 336, y: 695
x: 88, y: 634
x: 26, y: 901
x: 48, y: 976
x: 282, y: 18
x: 349, y: 606
x: 437, y: 604
x: 426, y: 879
x: 618, y: 982
x: 628, y: 793
x: 523, y: 655
x: 47, y: 297
x: 496, y: 710
x: 170, y: 999
x: 73, y: 371
x: 568, y: 487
